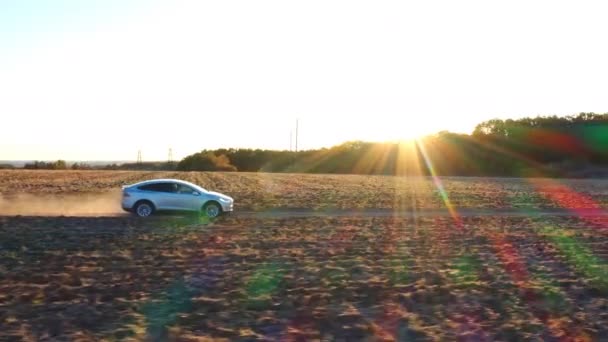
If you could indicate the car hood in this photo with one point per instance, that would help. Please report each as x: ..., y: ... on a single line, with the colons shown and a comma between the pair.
x: 220, y: 195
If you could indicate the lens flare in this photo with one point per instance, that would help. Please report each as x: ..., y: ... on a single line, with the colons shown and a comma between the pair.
x: 582, y: 205
x: 517, y: 269
x: 439, y: 185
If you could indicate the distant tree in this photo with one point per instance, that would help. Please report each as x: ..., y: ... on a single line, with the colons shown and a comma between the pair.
x: 81, y: 166
x: 59, y: 165
x: 113, y: 166
x: 494, y: 127
x: 40, y: 165
x: 206, y: 161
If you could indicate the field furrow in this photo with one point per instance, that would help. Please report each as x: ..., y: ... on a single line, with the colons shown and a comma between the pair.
x: 337, y: 278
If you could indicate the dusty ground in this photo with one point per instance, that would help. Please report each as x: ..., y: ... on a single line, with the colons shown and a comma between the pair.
x: 502, y: 260
x: 91, y: 192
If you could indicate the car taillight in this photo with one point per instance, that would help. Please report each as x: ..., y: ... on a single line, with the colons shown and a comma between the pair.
x: 125, y: 194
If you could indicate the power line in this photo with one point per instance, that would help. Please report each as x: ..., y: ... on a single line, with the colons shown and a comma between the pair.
x: 297, y: 134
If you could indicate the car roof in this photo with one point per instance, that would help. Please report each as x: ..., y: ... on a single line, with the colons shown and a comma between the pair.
x: 164, y: 180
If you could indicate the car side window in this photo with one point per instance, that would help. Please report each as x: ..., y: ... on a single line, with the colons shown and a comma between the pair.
x: 168, y: 187
x: 184, y: 189
x: 160, y: 187
x: 150, y: 187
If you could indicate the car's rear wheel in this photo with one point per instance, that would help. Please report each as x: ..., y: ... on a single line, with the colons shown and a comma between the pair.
x: 144, y: 209
x: 212, y: 209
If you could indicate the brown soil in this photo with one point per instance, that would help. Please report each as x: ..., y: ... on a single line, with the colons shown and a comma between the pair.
x: 487, y: 278
x: 61, y: 192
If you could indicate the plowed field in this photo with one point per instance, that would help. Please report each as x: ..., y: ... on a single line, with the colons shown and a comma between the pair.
x: 261, y: 191
x: 66, y: 276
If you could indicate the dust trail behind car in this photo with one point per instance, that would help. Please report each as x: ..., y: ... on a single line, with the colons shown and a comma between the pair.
x: 88, y: 204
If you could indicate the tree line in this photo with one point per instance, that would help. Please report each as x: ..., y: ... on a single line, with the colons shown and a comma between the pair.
x: 575, y: 145
x: 63, y: 165
x: 544, y: 145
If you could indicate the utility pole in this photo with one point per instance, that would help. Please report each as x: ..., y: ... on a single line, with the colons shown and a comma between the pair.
x: 170, y: 158
x: 139, y: 161
x: 297, y: 135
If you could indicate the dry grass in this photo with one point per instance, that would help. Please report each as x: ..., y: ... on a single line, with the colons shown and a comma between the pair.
x: 260, y: 191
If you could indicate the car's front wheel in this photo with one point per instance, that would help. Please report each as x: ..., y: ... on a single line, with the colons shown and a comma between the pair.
x: 144, y: 209
x: 212, y: 209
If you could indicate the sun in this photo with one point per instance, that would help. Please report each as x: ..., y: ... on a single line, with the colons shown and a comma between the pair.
x: 410, y: 130
x: 414, y: 133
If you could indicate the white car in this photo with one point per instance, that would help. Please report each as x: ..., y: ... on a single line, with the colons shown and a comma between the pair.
x: 145, y: 198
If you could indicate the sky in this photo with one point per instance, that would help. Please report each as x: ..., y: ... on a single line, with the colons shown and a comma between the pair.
x: 100, y: 80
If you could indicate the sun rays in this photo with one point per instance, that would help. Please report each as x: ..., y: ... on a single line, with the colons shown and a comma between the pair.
x: 438, y: 184
x: 582, y: 206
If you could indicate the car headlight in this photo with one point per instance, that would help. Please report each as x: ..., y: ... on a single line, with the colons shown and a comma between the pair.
x: 225, y: 200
